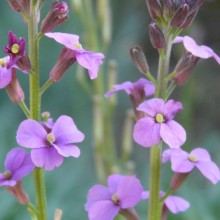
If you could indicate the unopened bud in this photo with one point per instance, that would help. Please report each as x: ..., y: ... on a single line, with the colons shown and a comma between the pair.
x: 14, y: 89
x: 24, y: 63
x: 180, y: 16
x: 184, y: 68
x: 156, y: 36
x: 45, y: 116
x: 195, y: 5
x: 169, y: 7
x: 26, y: 5
x: 189, y: 19
x: 154, y: 8
x: 58, y: 214
x: 139, y: 59
x: 178, y: 180
x: 15, y: 5
x: 66, y: 59
x: 58, y: 14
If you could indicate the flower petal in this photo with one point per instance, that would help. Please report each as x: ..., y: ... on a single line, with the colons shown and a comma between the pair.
x: 171, y: 108
x: 90, y: 61
x: 146, y: 132
x: 31, y: 134
x: 46, y: 158
x: 152, y: 106
x: 129, y: 191
x: 176, y: 204
x: 66, y: 132
x: 103, y: 210
x: 173, y: 134
x: 166, y: 155
x: 67, y: 150
x: 113, y: 182
x: 5, y: 76
x: 210, y: 170
x: 65, y: 39
x: 201, y: 154
x: 126, y: 86
x: 97, y: 193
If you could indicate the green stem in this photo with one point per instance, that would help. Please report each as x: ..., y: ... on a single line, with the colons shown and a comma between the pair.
x: 35, y: 101
x: 24, y: 108
x: 46, y: 85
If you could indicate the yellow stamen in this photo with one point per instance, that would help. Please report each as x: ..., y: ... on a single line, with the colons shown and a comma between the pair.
x: 7, y: 175
x: 15, y: 48
x: 192, y: 158
x: 115, y: 199
x: 3, y: 62
x: 159, y: 118
x: 51, y: 138
x: 77, y: 45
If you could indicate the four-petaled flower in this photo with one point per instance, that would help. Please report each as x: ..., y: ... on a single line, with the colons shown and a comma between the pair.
x: 17, y: 165
x: 159, y: 124
x: 49, y: 146
x: 175, y: 204
x: 200, y: 51
x: 183, y: 162
x: 105, y: 202
x: 86, y: 59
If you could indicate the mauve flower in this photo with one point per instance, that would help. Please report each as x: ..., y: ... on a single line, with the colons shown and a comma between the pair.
x: 86, y: 59
x: 103, y: 202
x: 175, y: 204
x: 183, y: 162
x: 200, y: 51
x: 159, y: 124
x: 5, y: 73
x: 17, y: 165
x: 50, y: 146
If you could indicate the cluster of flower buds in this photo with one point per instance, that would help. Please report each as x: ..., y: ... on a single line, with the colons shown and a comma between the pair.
x: 179, y: 13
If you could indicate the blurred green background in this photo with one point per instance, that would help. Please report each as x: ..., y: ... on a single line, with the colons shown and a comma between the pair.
x: 67, y: 185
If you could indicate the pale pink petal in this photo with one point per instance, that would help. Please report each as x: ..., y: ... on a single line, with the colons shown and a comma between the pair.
x: 171, y: 108
x: 47, y: 158
x: 209, y: 170
x: 113, y: 182
x: 66, y: 132
x: 147, y: 132
x: 166, y: 155
x: 173, y: 134
x: 201, y: 154
x: 67, y: 150
x: 178, y: 39
x: 176, y: 204
x: 65, y: 39
x: 90, y: 61
x: 31, y: 134
x: 97, y: 193
x: 5, y: 76
x: 103, y: 210
x: 145, y: 195
x: 126, y: 86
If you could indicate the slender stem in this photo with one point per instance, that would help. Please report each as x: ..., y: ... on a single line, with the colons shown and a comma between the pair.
x: 35, y: 101
x: 24, y: 108
x: 46, y: 85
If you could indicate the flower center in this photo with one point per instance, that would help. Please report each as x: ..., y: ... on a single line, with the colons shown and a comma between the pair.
x: 51, y: 138
x: 159, y: 118
x: 7, y: 175
x: 192, y: 158
x: 77, y: 45
x: 115, y: 199
x: 15, y: 48
x: 3, y: 62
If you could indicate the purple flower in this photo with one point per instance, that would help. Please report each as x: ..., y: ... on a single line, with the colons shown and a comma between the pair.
x: 159, y: 124
x: 183, y: 162
x: 17, y: 165
x: 202, y: 51
x: 49, y: 146
x: 5, y: 73
x: 138, y: 89
x: 105, y: 202
x: 175, y: 204
x: 86, y: 59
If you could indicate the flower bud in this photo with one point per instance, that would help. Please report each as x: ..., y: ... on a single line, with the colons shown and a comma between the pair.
x: 189, y: 19
x: 14, y: 89
x: 14, y: 4
x: 154, y: 8
x: 18, y: 192
x: 58, y: 14
x: 139, y: 59
x: 169, y: 7
x: 178, y: 180
x: 195, y: 5
x: 26, y: 5
x: 156, y: 36
x: 180, y: 16
x: 58, y: 214
x: 64, y: 62
x: 184, y: 68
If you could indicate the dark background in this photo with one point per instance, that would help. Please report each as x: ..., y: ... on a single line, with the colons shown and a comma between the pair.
x: 67, y: 185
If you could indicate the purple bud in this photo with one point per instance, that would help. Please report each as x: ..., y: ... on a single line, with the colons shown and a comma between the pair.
x: 139, y: 59
x: 15, y: 5
x: 189, y: 19
x: 154, y: 8
x: 65, y: 61
x: 26, y: 5
x: 169, y: 7
x: 195, y: 5
x: 180, y: 16
x: 14, y: 89
x: 156, y: 36
x: 184, y: 68
x: 58, y: 14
